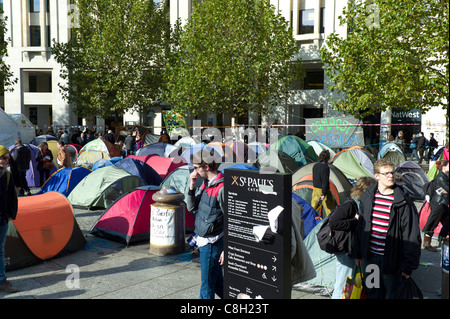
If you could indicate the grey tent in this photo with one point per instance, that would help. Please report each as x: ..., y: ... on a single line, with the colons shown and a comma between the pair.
x: 412, y: 178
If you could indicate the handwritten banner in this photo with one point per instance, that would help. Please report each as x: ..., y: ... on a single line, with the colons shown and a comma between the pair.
x: 335, y: 132
x: 175, y: 123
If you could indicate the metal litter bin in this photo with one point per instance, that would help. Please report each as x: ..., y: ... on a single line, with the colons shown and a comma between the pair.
x: 167, y: 223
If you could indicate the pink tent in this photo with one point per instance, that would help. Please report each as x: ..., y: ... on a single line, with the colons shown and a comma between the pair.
x: 127, y: 220
x: 162, y: 165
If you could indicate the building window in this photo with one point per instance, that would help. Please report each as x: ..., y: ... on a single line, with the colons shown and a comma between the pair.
x: 306, y: 21
x: 35, y: 36
x: 322, y: 20
x: 314, y: 80
x: 35, y: 6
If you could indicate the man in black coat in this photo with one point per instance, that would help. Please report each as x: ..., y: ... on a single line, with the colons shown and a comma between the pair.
x: 22, y: 158
x: 421, y: 146
x: 387, y: 238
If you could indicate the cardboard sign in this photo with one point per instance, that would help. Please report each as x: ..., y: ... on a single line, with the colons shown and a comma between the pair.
x: 257, y: 238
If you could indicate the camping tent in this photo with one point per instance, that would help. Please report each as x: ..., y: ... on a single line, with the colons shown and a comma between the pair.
x: 74, y: 150
x: 160, y: 149
x: 162, y: 165
x: 319, y: 147
x: 295, y: 147
x: 258, y: 148
x: 127, y: 220
x: 393, y: 153
x: 302, y: 185
x: 95, y: 150
x: 103, y: 162
x: 412, y: 178
x: 64, y: 180
x: 354, y: 162
x: 102, y: 187
x: 276, y: 159
x: 45, y: 228
x: 310, y: 216
x: 32, y: 174
x: 324, y: 265
x: 203, y: 151
x: 179, y: 179
x: 43, y: 138
x: 27, y: 131
x: 9, y: 131
x: 141, y: 169
x: 433, y: 171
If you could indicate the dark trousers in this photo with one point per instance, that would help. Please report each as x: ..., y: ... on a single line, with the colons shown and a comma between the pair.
x: 23, y: 182
x: 421, y: 153
x: 44, y: 173
x: 437, y: 215
x: 381, y: 286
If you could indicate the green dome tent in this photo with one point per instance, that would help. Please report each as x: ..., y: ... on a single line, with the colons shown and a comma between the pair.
x: 354, y: 162
x: 295, y: 147
x: 103, y: 186
x: 279, y: 160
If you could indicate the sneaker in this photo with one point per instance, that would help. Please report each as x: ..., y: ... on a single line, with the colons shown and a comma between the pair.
x: 29, y: 193
x: 7, y: 287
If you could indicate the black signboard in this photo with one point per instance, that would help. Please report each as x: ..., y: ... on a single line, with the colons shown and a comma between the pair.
x: 257, y: 266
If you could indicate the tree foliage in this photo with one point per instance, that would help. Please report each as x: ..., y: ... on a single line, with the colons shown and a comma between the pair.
x: 395, y: 55
x: 233, y: 56
x: 7, y: 79
x: 114, y: 58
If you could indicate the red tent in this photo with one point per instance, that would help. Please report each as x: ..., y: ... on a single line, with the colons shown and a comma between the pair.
x: 127, y: 220
x: 162, y: 165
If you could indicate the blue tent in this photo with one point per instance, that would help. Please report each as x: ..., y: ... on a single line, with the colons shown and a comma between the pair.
x: 310, y: 216
x: 64, y: 180
x: 160, y: 149
x: 389, y: 147
x: 141, y: 169
x: 214, y: 153
x: 101, y: 163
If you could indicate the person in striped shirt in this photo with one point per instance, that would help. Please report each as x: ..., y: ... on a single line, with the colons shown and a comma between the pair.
x: 387, y: 238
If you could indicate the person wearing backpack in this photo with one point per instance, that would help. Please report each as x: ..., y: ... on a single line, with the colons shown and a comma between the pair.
x: 343, y: 220
x: 8, y: 211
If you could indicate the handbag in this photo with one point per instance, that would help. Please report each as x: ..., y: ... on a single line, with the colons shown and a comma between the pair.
x: 413, y: 146
x: 48, y: 165
x: 354, y: 286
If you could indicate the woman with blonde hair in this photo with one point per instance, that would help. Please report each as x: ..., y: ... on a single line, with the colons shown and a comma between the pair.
x: 344, y: 219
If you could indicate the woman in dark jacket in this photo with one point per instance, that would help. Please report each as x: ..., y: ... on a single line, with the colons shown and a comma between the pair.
x: 42, y: 156
x: 438, y: 205
x: 344, y: 218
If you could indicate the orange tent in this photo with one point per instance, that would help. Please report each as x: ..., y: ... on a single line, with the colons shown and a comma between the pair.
x: 45, y: 227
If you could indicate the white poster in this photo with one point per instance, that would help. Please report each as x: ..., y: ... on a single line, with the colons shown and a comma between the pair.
x: 162, y: 226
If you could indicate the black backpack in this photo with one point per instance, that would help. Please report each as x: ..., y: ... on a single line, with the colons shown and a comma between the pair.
x: 333, y: 241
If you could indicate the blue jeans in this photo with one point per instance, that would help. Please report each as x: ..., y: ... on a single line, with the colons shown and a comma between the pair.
x: 211, y: 270
x: 388, y: 283
x: 414, y: 154
x: 344, y: 269
x: 3, y: 233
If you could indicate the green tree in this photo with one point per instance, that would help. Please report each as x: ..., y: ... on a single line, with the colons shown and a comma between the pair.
x: 233, y: 56
x: 395, y: 55
x: 7, y: 79
x: 113, y: 61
